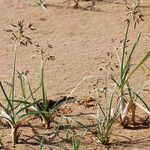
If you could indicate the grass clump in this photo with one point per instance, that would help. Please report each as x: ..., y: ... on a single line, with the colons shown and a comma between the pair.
x: 127, y: 95
x: 45, y: 107
x: 12, y: 112
x: 106, y: 121
x: 17, y: 109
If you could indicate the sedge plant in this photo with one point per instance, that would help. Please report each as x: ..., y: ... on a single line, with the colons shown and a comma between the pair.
x: 126, y: 72
x: 13, y: 111
x: 45, y: 107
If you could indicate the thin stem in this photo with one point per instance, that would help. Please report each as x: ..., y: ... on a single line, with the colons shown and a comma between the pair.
x: 14, y: 69
x: 124, y: 48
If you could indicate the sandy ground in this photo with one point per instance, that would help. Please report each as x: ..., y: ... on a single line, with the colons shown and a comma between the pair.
x: 80, y: 39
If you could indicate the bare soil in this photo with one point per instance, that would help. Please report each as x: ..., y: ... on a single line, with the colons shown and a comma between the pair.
x: 80, y: 39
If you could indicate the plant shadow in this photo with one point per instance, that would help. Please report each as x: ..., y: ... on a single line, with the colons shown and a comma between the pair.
x: 88, y: 8
x: 137, y: 127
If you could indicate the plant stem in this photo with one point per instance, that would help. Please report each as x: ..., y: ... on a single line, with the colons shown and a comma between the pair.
x: 15, y: 134
x: 14, y: 69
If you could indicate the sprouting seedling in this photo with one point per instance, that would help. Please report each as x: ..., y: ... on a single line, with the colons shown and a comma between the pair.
x: 12, y: 112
